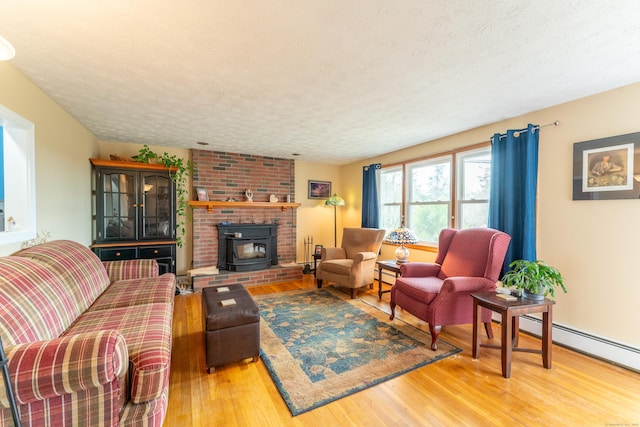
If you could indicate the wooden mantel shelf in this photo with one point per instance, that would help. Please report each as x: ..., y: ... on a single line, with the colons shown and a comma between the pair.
x: 219, y: 204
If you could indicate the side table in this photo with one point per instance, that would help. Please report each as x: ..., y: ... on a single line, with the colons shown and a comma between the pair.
x: 390, y: 265
x: 316, y: 257
x: 511, y: 312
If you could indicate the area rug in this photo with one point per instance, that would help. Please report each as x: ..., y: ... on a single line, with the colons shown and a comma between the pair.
x: 319, y: 346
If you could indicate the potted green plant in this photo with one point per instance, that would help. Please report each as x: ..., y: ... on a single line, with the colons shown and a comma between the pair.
x: 535, y: 278
x: 180, y: 177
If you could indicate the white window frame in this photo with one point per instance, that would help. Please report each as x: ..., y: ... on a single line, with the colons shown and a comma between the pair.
x: 19, y: 178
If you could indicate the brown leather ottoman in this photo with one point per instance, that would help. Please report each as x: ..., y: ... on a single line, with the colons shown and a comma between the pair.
x: 232, y: 332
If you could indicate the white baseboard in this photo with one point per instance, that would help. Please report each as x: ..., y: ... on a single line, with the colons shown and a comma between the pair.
x: 602, y: 348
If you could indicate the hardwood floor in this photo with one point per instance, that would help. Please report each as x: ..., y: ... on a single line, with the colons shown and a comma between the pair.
x: 577, y: 391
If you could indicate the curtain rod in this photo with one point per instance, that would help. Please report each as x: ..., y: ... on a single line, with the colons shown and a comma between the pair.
x: 556, y: 123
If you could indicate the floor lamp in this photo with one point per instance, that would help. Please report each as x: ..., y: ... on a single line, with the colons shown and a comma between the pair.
x: 335, y: 201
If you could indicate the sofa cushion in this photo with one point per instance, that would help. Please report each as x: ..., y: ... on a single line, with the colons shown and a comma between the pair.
x: 79, y: 268
x: 131, y: 269
x: 147, y: 331
x: 35, y: 304
x: 125, y: 293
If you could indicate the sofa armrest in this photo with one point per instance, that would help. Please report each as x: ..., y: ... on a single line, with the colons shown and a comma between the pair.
x: 44, y: 369
x: 419, y: 269
x: 333, y: 253
x: 131, y: 269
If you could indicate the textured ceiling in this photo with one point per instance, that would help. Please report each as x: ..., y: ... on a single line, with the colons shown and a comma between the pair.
x: 335, y: 81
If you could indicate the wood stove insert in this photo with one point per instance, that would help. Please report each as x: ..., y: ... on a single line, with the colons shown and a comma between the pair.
x: 247, y: 247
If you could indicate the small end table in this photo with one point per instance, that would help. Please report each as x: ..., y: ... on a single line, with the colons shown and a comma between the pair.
x: 316, y: 257
x: 511, y: 312
x: 390, y: 265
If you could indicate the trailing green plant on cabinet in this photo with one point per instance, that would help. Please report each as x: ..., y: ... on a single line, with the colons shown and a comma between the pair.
x: 135, y: 212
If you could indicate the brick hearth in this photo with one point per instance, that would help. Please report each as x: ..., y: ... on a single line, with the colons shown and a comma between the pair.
x: 249, y: 278
x: 226, y: 175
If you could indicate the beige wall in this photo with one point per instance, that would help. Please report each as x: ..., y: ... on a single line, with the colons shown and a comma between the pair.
x: 593, y: 243
x: 315, y: 220
x: 126, y: 149
x: 62, y: 151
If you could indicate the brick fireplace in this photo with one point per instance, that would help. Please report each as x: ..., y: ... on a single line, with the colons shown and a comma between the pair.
x: 228, y: 175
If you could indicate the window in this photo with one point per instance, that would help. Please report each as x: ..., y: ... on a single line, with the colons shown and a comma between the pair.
x: 448, y: 190
x: 472, y: 203
x: 18, y: 178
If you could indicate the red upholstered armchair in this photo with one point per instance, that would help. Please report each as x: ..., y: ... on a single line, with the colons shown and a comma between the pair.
x: 439, y: 293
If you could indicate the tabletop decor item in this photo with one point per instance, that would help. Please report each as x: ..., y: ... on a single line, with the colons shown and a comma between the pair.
x: 535, y: 278
x: 401, y: 236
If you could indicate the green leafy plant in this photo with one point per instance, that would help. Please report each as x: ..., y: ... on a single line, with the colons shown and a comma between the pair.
x: 534, y: 277
x: 180, y: 178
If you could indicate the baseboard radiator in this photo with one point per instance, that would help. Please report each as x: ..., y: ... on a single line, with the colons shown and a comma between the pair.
x: 592, y: 345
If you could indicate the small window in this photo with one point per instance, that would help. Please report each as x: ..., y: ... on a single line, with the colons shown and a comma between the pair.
x: 18, y: 178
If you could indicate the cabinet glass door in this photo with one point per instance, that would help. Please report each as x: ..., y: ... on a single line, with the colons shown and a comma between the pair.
x: 157, y: 206
x: 119, y: 206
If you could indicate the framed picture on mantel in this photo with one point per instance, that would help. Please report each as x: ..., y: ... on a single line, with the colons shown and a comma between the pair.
x: 319, y: 189
x: 202, y: 194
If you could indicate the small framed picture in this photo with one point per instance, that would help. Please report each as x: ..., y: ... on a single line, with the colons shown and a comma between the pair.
x: 319, y: 189
x: 318, y: 250
x: 202, y: 195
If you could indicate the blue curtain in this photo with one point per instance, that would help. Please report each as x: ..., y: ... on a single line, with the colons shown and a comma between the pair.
x: 370, y: 210
x: 514, y: 177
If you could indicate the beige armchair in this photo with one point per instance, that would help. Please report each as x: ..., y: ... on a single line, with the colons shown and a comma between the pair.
x: 352, y: 265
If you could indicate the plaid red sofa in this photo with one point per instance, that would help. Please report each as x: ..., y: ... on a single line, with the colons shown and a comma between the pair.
x: 88, y: 343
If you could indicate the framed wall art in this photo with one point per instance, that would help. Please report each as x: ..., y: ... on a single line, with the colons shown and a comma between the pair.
x: 607, y: 168
x: 202, y: 194
x: 319, y: 189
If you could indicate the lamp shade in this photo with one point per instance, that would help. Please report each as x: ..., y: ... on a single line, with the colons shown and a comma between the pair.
x: 334, y: 200
x: 400, y: 236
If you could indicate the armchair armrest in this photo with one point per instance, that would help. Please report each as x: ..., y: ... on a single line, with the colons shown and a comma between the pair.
x: 467, y: 285
x: 45, y: 369
x: 363, y: 256
x: 464, y: 285
x: 333, y: 253
x: 419, y: 269
x: 131, y: 269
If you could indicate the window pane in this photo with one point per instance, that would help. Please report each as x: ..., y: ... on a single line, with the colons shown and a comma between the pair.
x: 476, y: 170
x: 390, y: 197
x: 426, y: 221
x: 474, y: 215
x: 430, y: 181
x: 390, y: 217
x: 390, y: 186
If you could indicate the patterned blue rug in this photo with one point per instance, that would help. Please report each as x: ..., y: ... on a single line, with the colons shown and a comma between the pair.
x: 320, y: 346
